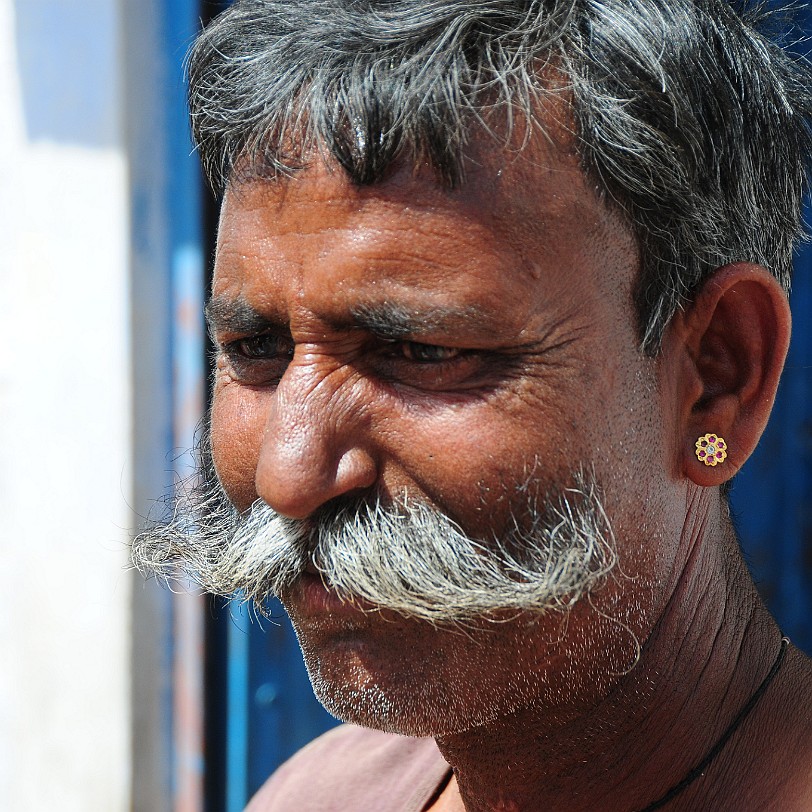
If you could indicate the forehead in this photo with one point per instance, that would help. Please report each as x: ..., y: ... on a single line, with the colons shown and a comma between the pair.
x: 520, y: 217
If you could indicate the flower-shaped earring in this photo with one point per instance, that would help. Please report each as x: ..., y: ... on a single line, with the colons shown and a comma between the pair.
x: 711, y: 449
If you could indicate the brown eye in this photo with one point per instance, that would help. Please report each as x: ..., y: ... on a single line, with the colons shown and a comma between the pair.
x: 258, y: 360
x: 264, y: 347
x: 428, y: 353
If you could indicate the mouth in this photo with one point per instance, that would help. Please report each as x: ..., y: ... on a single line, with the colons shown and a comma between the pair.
x: 310, y: 593
x: 311, y: 597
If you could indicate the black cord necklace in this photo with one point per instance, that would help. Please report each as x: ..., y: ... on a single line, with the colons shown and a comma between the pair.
x: 719, y: 746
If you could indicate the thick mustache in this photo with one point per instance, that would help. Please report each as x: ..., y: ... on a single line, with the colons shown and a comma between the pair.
x: 406, y: 556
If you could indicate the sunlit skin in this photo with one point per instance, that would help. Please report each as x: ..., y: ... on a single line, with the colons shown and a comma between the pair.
x: 407, y: 339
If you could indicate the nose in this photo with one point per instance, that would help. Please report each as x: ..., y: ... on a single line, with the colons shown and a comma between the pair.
x: 315, y: 445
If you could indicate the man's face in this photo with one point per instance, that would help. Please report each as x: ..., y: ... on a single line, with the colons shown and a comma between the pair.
x: 469, y: 350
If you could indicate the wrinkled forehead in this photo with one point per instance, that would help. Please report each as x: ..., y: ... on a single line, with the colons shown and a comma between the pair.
x: 523, y: 214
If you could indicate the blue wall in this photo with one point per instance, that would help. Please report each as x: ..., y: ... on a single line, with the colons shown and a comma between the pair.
x: 772, y: 496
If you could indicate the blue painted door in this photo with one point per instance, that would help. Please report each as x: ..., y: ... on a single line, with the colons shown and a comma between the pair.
x: 772, y: 496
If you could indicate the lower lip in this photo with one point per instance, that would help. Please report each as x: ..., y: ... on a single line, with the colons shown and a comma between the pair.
x: 312, y: 597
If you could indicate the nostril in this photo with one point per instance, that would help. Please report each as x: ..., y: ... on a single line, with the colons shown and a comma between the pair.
x: 356, y: 471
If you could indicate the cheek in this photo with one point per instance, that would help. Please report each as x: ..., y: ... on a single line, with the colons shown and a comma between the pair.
x: 471, y: 460
x: 237, y: 426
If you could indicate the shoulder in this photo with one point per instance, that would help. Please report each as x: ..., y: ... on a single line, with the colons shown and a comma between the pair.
x: 352, y: 768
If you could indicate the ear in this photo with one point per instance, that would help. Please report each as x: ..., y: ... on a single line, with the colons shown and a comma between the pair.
x: 731, y: 343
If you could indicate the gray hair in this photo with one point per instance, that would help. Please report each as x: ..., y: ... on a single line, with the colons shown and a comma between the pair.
x: 689, y: 115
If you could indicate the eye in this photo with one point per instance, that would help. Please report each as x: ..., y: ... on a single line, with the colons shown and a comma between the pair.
x: 428, y: 353
x: 431, y: 367
x: 258, y: 360
x: 263, y: 347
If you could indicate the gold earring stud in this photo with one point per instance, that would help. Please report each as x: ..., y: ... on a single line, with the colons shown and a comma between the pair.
x: 711, y: 449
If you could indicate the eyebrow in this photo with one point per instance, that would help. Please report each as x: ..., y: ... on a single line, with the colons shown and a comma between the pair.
x: 391, y: 320
x: 236, y: 316
x: 388, y: 320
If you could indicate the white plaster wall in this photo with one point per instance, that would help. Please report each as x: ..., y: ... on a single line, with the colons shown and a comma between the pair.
x: 65, y: 468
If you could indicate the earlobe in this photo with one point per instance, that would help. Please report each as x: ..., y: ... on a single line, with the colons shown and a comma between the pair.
x: 711, y: 450
x: 734, y: 337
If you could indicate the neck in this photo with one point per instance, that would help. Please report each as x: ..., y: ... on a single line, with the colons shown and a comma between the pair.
x: 706, y: 656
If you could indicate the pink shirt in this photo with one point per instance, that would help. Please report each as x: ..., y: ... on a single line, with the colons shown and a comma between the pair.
x: 353, y: 769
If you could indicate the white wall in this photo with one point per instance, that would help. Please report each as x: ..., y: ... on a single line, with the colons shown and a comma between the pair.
x: 65, y: 413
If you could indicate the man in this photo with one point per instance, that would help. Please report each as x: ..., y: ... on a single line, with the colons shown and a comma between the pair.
x: 500, y: 308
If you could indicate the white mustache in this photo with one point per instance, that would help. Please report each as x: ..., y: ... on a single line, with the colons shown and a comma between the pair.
x: 407, y: 557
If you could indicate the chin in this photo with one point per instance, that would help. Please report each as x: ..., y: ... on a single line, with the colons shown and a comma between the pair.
x: 352, y: 688
x: 409, y: 694
x: 402, y: 675
x: 406, y: 712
